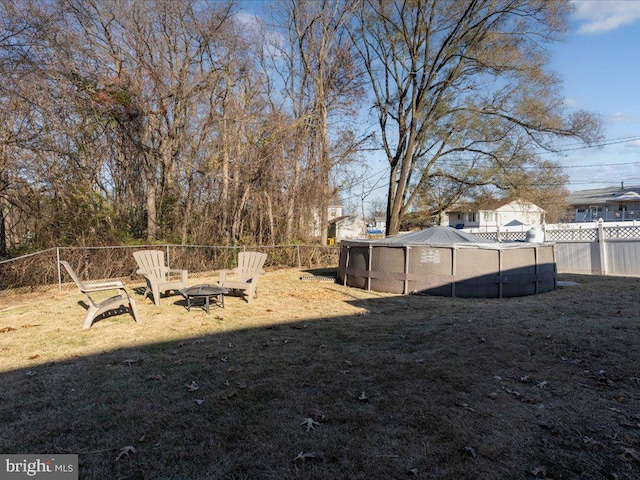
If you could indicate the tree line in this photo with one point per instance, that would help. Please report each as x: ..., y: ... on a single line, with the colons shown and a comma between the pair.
x: 194, y: 122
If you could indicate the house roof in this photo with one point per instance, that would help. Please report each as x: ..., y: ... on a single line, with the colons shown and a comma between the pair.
x: 487, y: 205
x: 484, y: 204
x: 514, y: 223
x: 603, y: 195
x: 340, y: 219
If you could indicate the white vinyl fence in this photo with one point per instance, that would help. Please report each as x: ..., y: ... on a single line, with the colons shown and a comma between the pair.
x: 594, y: 248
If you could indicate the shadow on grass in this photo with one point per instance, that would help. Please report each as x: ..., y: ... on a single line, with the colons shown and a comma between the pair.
x: 419, y: 387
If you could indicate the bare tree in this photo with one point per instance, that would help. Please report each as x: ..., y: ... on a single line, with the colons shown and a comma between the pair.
x: 162, y: 65
x: 328, y: 81
x: 461, y: 92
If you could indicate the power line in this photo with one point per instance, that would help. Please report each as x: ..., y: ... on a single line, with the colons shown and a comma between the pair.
x: 567, y: 148
x: 604, y: 143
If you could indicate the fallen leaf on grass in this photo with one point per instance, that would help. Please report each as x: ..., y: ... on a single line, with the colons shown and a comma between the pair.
x: 539, y: 471
x: 543, y: 384
x: 310, y: 423
x: 7, y: 329
x: 304, y: 456
x: 466, y: 406
x: 512, y: 392
x: 199, y: 401
x: 363, y: 397
x: 193, y: 386
x: 34, y: 357
x: 125, y: 452
x: 130, y: 362
x: 317, y: 414
x: 471, y: 450
x: 226, y: 395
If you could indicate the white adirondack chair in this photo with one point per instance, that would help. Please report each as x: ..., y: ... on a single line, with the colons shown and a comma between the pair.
x: 159, y: 277
x: 244, y: 278
x: 97, y: 308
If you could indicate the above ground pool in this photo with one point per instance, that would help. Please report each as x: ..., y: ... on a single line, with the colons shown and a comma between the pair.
x: 448, y: 262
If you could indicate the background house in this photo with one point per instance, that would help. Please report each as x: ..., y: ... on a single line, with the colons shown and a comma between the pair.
x: 378, y: 226
x: 348, y: 226
x: 335, y: 211
x: 610, y: 204
x: 340, y: 225
x: 492, y: 214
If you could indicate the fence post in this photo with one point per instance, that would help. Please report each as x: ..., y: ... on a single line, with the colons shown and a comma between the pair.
x: 602, y: 248
x: 58, y: 267
x: 405, y: 281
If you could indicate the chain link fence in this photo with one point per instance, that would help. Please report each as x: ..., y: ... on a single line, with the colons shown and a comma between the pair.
x: 41, y: 271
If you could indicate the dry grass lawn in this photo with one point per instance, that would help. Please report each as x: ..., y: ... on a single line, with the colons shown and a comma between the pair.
x: 314, y: 380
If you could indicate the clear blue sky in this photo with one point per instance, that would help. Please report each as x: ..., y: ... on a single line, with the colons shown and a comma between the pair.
x: 600, y: 65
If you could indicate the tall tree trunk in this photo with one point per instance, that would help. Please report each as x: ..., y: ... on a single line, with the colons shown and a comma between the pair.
x: 292, y: 193
x: 152, y: 214
x: 3, y: 231
x: 325, y: 167
x: 270, y: 216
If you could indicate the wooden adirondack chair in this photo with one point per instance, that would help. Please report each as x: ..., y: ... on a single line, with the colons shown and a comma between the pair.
x: 96, y: 308
x: 159, y: 277
x: 245, y: 275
